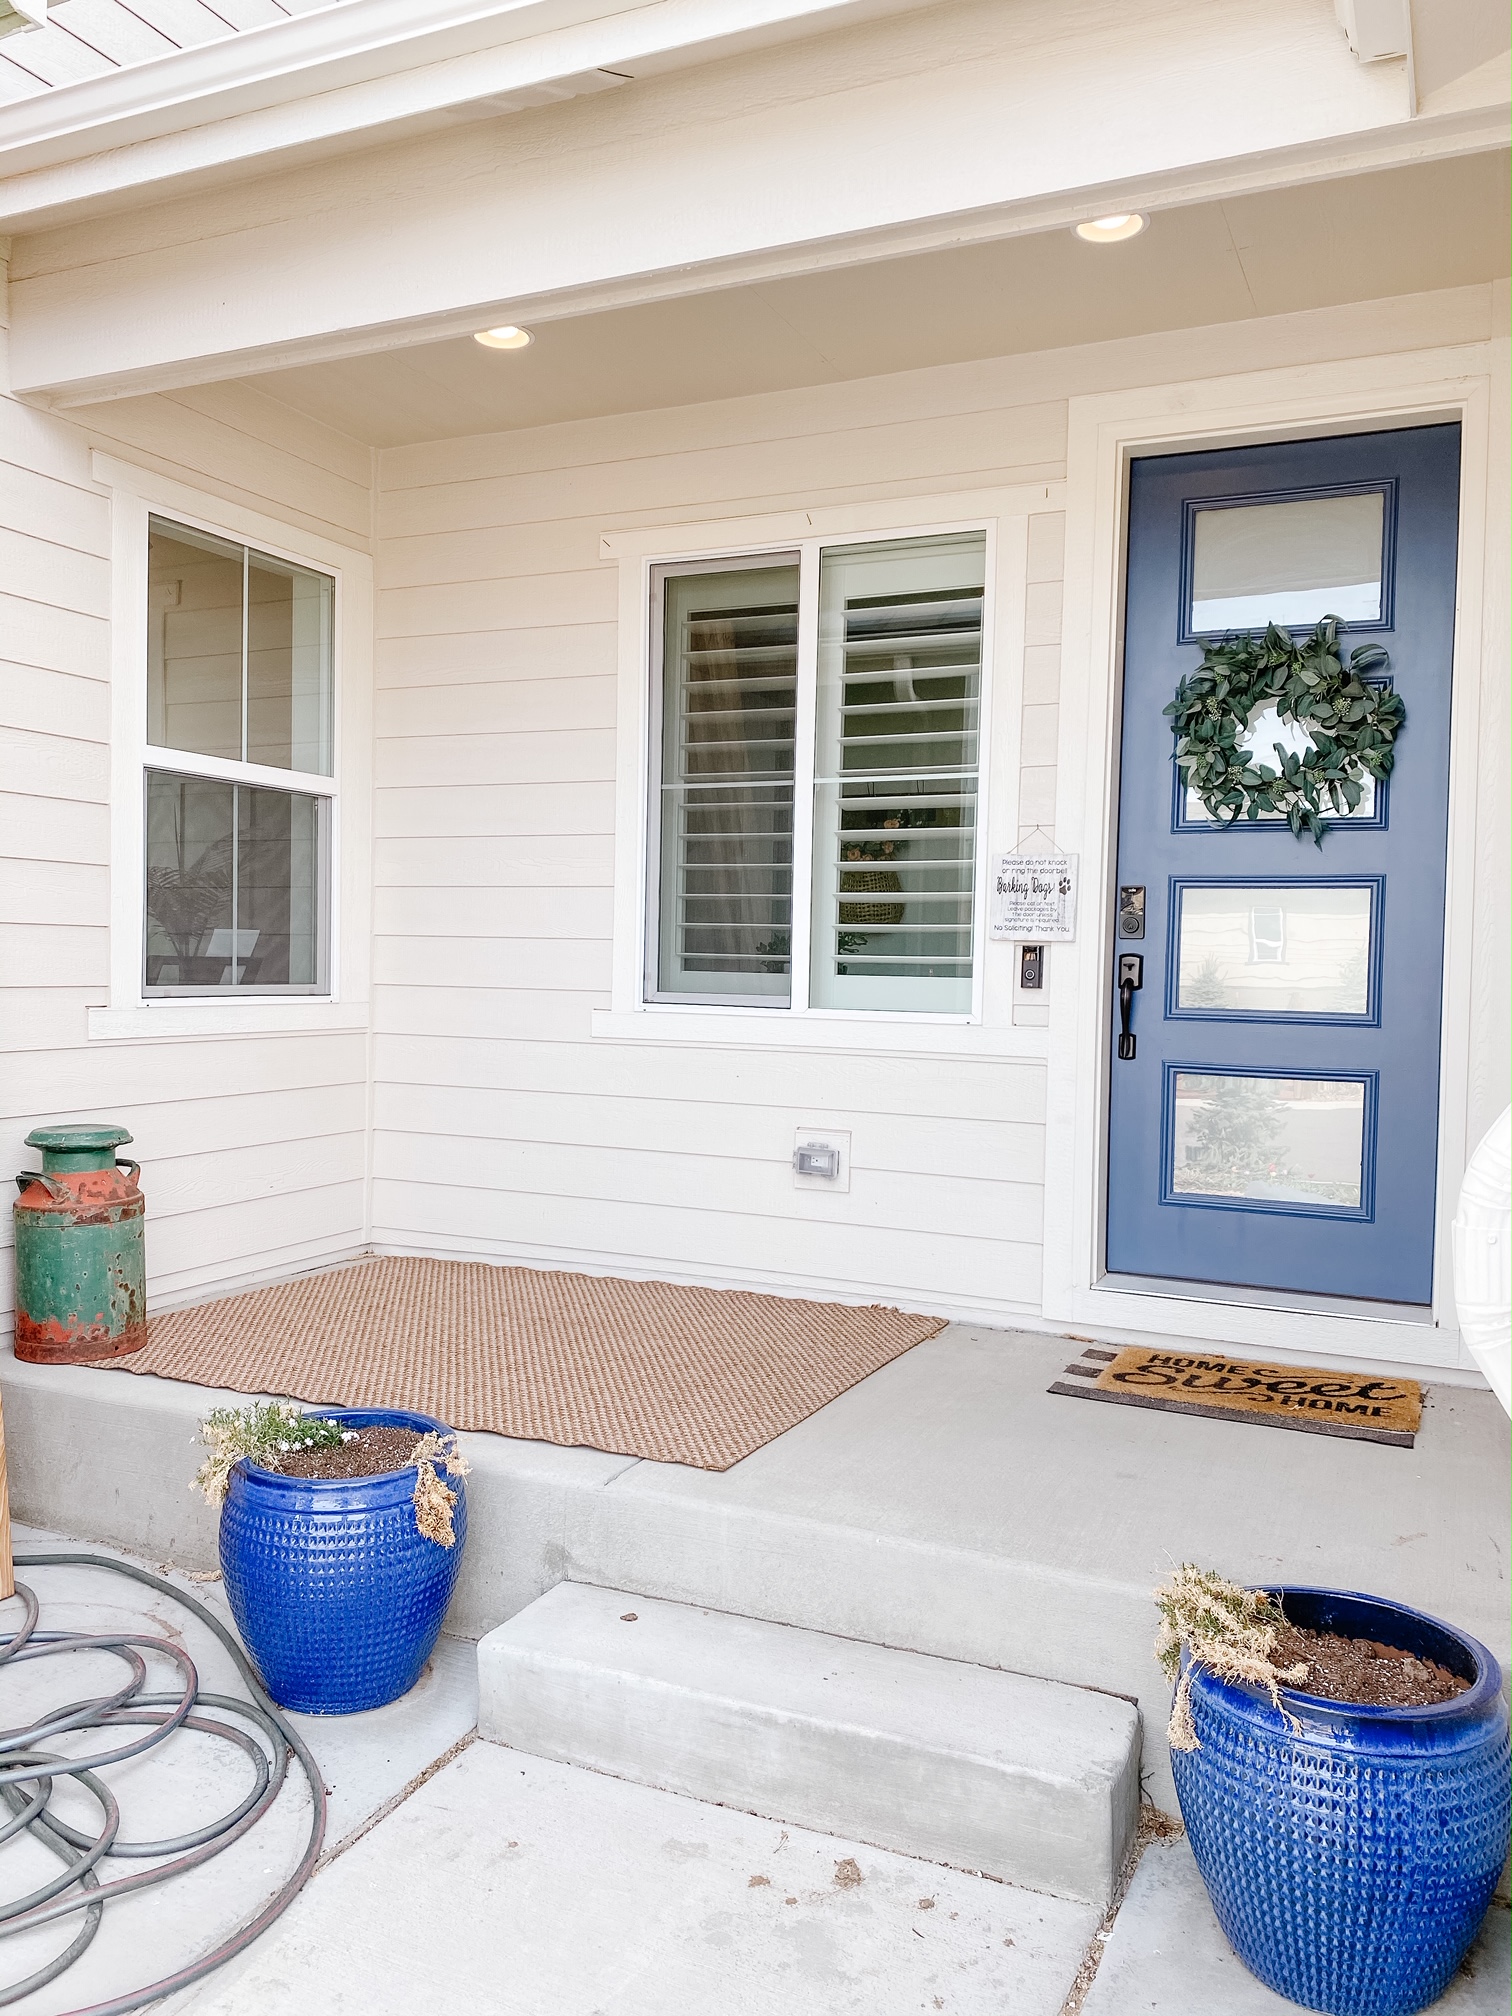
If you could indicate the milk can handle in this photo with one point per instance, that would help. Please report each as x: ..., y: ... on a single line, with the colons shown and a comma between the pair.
x: 133, y: 1169
x: 50, y: 1184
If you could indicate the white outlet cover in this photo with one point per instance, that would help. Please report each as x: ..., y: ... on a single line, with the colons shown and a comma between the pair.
x: 826, y: 1137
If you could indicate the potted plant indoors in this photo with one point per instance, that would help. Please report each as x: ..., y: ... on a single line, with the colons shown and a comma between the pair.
x: 340, y: 1542
x: 1342, y: 1767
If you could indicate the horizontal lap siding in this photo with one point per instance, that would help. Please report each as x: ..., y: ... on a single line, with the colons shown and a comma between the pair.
x: 253, y: 1149
x: 1006, y: 1095
x: 501, y: 1125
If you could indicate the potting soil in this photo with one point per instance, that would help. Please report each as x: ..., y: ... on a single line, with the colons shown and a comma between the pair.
x: 373, y: 1452
x: 1363, y: 1671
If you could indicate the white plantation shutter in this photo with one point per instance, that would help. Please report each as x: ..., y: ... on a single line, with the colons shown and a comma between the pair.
x: 725, y: 820
x: 896, y: 759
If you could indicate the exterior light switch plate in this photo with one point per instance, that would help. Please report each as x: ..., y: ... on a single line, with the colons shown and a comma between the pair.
x: 809, y: 1156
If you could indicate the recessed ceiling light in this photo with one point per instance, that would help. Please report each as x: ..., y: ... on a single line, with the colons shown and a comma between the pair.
x: 1110, y: 230
x: 507, y: 338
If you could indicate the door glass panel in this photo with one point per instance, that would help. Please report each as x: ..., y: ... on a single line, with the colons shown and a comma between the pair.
x: 1276, y: 1140
x: 1267, y: 740
x: 1286, y: 949
x: 1291, y: 562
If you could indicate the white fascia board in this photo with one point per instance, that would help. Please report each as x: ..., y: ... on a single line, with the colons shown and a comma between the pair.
x: 37, y: 350
x: 348, y: 71
x: 704, y: 181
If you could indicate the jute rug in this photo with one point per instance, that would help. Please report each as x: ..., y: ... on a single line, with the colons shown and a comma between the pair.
x: 639, y: 1368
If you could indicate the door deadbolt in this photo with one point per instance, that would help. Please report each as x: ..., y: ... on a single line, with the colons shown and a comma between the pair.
x: 1131, y: 910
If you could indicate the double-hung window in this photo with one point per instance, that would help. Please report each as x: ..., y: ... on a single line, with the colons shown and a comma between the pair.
x: 238, y: 783
x: 815, y: 777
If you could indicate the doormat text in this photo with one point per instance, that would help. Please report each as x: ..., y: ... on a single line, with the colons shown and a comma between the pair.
x: 1362, y: 1407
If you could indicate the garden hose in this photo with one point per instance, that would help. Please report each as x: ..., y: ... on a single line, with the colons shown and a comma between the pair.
x: 29, y: 1771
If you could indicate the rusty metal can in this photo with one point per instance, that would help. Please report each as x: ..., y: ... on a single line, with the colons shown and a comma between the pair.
x: 81, y: 1278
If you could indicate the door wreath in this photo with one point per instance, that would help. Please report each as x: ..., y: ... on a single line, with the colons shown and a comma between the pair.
x: 1352, y: 721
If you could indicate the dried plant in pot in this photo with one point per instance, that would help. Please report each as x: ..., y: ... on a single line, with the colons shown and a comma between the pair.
x: 1342, y: 1767
x: 341, y: 1536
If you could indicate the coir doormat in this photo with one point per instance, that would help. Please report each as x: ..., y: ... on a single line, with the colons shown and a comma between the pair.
x: 1360, y: 1407
x: 700, y: 1376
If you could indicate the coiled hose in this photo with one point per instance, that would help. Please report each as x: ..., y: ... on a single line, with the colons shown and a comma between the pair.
x: 28, y: 1772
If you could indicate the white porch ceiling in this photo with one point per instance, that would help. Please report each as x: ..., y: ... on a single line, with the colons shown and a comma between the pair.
x: 92, y: 38
x: 1361, y: 238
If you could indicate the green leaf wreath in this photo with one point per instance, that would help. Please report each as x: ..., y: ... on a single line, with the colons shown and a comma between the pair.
x: 1351, y: 722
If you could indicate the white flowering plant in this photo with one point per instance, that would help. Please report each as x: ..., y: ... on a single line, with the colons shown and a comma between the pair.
x: 264, y: 1433
x: 269, y: 1430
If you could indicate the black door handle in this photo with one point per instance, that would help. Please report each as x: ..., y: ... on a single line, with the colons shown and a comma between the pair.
x: 1130, y: 980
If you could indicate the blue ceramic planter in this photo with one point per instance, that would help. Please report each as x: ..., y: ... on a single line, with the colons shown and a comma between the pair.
x: 1350, y: 1865
x: 337, y: 1593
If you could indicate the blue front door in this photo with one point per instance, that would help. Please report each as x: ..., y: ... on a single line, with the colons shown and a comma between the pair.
x: 1276, y: 1126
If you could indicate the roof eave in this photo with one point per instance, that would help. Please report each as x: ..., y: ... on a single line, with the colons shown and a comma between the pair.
x: 353, y: 70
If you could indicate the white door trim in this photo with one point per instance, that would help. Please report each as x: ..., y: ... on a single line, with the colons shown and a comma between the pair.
x: 1463, y: 382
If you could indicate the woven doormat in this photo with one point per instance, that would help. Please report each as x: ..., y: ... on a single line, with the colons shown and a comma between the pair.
x: 1361, y: 1408
x: 638, y: 1368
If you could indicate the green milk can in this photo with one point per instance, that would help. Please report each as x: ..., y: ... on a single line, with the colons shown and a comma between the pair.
x: 81, y: 1276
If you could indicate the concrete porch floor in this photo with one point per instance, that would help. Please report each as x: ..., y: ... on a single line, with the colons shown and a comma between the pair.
x: 948, y: 1504
x: 468, y: 1874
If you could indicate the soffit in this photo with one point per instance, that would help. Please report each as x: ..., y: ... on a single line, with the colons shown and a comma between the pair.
x: 115, y: 97
x: 1361, y: 238
x: 85, y: 39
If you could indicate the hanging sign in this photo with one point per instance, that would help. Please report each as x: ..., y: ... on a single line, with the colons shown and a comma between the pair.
x: 1034, y: 897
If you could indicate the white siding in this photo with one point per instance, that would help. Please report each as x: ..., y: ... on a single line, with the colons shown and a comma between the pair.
x: 487, y: 1119
x: 1041, y: 714
x: 254, y: 1149
x: 503, y: 1126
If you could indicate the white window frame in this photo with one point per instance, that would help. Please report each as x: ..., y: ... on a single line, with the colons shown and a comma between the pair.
x: 138, y: 495
x: 806, y: 724
x: 1003, y: 515
x: 658, y: 574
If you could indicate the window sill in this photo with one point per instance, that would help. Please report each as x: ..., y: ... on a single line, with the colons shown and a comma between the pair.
x: 857, y: 1035
x: 151, y: 1021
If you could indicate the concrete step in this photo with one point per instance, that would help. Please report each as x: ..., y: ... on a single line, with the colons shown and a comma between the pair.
x: 1026, y: 1780
x: 949, y: 1505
